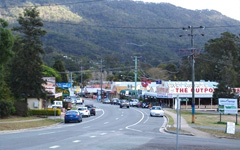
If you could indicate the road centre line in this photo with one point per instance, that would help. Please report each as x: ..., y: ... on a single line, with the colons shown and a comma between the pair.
x: 92, y: 136
x: 76, y: 141
x: 55, y: 146
x: 128, y: 127
x: 94, y: 118
x: 106, y: 122
x: 86, y: 127
x: 147, y: 118
x: 117, y: 118
x: 103, y: 133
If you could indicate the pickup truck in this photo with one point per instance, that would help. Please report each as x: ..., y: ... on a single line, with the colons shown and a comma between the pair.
x: 56, y: 104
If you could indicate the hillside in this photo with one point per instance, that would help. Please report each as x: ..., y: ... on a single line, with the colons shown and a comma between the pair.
x: 121, y: 29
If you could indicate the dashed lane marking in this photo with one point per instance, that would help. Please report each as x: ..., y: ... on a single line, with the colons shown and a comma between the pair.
x: 55, y: 146
x: 76, y: 141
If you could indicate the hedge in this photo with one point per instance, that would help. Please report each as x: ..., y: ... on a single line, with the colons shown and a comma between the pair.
x: 46, y: 112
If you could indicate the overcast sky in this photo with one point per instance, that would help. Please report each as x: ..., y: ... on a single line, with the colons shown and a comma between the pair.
x: 230, y: 8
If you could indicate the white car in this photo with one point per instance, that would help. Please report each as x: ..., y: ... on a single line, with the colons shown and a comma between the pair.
x: 133, y: 102
x: 84, y: 111
x: 79, y: 100
x: 156, y: 111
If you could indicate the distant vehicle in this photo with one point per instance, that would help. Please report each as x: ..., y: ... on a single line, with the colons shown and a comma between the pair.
x: 156, y: 111
x: 79, y: 100
x: 73, y: 116
x: 92, y: 109
x: 124, y: 103
x: 114, y: 101
x: 84, y: 111
x: 106, y: 101
x: 56, y: 104
x: 133, y: 102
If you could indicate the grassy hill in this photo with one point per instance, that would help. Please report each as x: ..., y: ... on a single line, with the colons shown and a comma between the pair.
x: 93, y: 30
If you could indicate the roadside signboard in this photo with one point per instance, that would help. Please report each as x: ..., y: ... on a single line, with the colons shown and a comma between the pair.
x: 227, y: 106
x: 230, y: 128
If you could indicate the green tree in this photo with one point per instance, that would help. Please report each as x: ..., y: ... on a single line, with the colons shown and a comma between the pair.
x: 58, y: 65
x: 6, y: 44
x: 26, y: 67
x: 221, y: 63
x: 50, y: 72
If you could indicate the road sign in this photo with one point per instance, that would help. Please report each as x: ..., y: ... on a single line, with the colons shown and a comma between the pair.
x: 184, y: 99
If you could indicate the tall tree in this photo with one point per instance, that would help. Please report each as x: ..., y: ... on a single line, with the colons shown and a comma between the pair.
x: 6, y: 44
x: 26, y: 68
x: 58, y: 65
x: 221, y: 63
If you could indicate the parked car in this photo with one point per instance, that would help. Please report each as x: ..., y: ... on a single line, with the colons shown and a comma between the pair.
x: 114, y: 101
x: 156, y: 111
x: 56, y: 104
x: 92, y: 109
x: 124, y: 103
x: 133, y: 102
x: 73, y: 116
x: 84, y: 110
x: 106, y: 101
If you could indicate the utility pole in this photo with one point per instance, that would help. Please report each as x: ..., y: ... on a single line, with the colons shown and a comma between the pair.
x: 81, y: 80
x: 193, y: 65
x: 135, y: 60
x: 101, y: 80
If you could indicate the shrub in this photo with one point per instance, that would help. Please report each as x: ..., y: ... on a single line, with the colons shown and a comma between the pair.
x: 45, y: 112
x: 6, y: 108
x: 21, y: 108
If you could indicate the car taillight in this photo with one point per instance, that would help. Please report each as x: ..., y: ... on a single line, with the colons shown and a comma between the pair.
x: 94, y: 109
x: 86, y: 110
x: 77, y: 115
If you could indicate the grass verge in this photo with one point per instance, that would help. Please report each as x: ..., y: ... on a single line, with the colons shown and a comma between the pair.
x: 220, y: 133
x: 17, y: 118
x: 31, y: 124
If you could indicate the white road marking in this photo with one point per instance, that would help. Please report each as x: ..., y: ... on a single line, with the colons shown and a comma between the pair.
x: 94, y: 118
x: 128, y: 127
x: 117, y: 118
x: 55, y: 146
x: 46, y: 133
x: 106, y: 122
x: 76, y: 141
x: 86, y: 127
x: 122, y: 115
x: 121, y: 129
x: 92, y: 136
x: 103, y: 133
x: 113, y: 131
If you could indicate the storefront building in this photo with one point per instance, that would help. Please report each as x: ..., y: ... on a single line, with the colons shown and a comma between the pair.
x: 167, y: 92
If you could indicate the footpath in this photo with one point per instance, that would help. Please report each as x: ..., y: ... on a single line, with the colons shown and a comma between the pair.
x: 186, y: 127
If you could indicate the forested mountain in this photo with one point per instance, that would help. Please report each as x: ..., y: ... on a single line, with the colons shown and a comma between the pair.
x: 91, y: 30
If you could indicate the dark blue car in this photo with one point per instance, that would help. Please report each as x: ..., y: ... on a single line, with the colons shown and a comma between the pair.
x: 73, y: 116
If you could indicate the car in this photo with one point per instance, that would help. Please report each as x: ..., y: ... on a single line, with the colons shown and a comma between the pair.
x: 106, y: 101
x: 92, y: 109
x: 79, y: 100
x: 156, y: 111
x: 73, y: 116
x: 124, y: 103
x: 114, y: 101
x: 84, y: 110
x: 133, y: 102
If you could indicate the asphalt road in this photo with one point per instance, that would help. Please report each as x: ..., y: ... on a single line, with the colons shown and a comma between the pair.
x: 111, y: 129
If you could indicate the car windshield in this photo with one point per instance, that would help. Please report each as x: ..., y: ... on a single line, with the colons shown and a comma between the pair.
x: 157, y: 108
x: 71, y: 112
